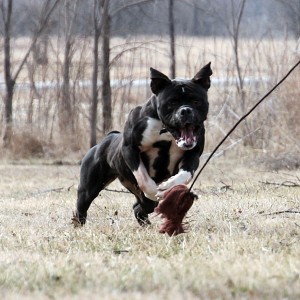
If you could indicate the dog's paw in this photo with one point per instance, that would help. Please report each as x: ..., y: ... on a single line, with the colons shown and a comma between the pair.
x: 183, y: 177
x: 166, y: 185
x: 163, y: 187
x: 160, y: 195
x: 76, y: 221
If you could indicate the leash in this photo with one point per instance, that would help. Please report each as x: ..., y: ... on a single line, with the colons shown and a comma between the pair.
x: 240, y: 120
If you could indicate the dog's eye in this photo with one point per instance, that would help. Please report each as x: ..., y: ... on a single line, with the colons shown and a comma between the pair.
x: 197, y: 103
x: 172, y: 104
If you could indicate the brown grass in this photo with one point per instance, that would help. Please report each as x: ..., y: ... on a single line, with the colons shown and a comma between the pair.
x: 235, y: 248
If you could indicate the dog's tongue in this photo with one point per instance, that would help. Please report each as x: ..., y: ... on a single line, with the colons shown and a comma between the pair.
x: 187, y: 135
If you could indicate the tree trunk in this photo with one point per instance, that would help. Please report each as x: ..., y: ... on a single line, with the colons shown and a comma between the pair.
x: 10, y: 78
x: 94, y: 102
x: 240, y: 85
x: 9, y: 81
x: 106, y: 88
x: 172, y: 38
x: 8, y: 113
x: 66, y: 111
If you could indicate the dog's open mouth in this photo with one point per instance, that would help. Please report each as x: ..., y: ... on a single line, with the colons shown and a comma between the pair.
x: 186, y: 137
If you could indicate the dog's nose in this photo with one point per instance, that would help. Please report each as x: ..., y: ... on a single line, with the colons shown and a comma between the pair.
x: 186, y: 114
x: 185, y: 111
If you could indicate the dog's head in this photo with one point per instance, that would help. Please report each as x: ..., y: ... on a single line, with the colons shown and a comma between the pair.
x: 182, y: 105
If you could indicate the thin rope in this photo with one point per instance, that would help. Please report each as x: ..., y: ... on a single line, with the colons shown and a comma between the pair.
x: 240, y: 120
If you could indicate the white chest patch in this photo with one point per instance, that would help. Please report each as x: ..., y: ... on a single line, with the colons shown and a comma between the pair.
x: 152, y: 135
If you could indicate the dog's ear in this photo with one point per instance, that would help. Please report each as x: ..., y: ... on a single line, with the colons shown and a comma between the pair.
x: 203, y: 76
x: 158, y: 81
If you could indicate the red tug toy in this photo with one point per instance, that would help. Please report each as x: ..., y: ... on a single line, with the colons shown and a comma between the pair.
x: 173, y: 208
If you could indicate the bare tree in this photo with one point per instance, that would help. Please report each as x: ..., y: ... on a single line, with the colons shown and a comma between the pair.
x: 6, y: 8
x: 102, y: 28
x: 232, y: 23
x: 105, y: 73
x: 6, y: 11
x: 234, y: 31
x: 97, y: 21
x: 65, y: 107
x: 291, y: 10
x: 40, y: 51
x: 172, y: 38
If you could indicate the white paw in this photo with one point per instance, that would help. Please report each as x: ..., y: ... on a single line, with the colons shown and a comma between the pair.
x: 160, y: 195
x: 166, y: 185
x: 183, y: 177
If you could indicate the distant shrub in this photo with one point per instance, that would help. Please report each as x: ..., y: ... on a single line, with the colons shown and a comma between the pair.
x: 26, y: 145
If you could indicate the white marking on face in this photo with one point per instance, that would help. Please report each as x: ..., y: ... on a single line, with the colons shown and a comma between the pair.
x: 181, y: 143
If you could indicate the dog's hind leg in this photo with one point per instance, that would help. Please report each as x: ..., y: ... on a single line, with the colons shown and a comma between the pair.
x: 95, y: 175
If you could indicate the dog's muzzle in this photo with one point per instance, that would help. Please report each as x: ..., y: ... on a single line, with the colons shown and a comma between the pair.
x: 185, y: 132
x: 185, y: 114
x: 187, y: 139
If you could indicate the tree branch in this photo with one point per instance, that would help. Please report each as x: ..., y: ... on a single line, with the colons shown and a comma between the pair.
x: 43, y: 22
x: 128, y: 5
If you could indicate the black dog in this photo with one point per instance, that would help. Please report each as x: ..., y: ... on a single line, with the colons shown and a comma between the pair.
x: 159, y: 148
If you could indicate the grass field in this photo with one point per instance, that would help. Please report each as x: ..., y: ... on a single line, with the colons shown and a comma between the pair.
x: 239, y: 245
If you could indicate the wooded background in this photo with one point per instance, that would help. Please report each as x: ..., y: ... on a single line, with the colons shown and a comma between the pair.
x: 71, y: 70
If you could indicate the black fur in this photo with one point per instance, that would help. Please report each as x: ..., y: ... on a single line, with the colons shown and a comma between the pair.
x: 162, y: 138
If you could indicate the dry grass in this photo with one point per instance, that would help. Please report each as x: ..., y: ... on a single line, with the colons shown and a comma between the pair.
x: 234, y: 249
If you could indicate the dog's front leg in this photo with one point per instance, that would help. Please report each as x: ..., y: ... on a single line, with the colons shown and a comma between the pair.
x: 187, y: 168
x: 182, y: 177
x: 144, y: 181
